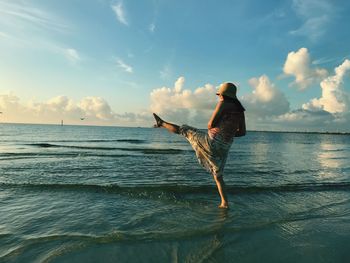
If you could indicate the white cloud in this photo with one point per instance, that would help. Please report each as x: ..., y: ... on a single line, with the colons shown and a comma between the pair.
x: 22, y: 16
x: 316, y: 15
x: 72, y: 55
x: 95, y: 110
x: 120, y: 13
x: 298, y: 64
x: 301, y: 120
x: 10, y: 103
x: 312, y: 28
x: 324, y: 60
x: 179, y: 84
x: 4, y: 35
x: 166, y: 72
x: 330, y: 112
x: 97, y: 107
x: 334, y: 98
x: 27, y: 26
x: 124, y: 66
x: 309, y: 8
x: 183, y: 105
x: 60, y: 103
x: 265, y: 99
x: 152, y: 27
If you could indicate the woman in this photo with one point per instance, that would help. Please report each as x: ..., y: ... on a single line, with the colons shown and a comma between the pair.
x: 212, y: 147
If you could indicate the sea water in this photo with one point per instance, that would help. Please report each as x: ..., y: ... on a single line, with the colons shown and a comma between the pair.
x: 112, y: 194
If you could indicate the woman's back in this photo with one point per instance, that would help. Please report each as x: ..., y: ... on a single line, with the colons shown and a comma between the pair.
x: 230, y: 122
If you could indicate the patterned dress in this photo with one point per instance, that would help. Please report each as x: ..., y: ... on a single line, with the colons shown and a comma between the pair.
x: 212, y: 147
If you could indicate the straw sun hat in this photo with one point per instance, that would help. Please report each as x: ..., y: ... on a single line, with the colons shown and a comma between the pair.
x: 227, y: 89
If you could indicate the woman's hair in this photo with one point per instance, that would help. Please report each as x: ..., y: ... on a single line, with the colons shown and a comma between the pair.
x: 236, y: 101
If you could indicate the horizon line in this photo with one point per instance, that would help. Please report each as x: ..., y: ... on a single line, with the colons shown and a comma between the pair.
x: 121, y: 126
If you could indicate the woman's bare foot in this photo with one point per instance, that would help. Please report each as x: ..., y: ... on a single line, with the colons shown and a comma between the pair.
x: 159, y: 121
x: 224, y: 206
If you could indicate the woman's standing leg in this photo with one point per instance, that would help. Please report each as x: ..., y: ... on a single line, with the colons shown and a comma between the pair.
x: 222, y: 191
x: 167, y: 125
x: 218, y: 180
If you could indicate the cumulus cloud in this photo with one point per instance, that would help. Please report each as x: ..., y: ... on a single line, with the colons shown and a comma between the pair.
x: 330, y: 112
x: 52, y: 110
x: 266, y: 99
x: 182, y: 105
x: 334, y: 98
x: 119, y: 11
x: 96, y: 107
x: 179, y: 84
x: 94, y: 110
x: 305, y: 120
x: 10, y: 102
x: 298, y: 64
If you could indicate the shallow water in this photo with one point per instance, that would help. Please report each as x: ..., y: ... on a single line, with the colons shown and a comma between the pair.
x: 108, y: 194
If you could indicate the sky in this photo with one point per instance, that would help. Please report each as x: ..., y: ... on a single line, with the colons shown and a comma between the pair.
x: 106, y: 62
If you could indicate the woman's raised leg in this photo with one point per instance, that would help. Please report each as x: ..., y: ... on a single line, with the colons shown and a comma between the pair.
x: 167, y: 125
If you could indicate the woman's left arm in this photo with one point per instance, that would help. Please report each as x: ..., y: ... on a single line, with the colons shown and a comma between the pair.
x: 216, y: 115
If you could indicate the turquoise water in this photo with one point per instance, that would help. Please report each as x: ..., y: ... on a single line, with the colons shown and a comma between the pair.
x: 109, y: 194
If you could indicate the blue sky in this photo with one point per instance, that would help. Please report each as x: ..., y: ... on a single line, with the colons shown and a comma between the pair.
x: 108, y: 60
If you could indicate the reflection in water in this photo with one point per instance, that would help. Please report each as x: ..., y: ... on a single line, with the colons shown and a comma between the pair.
x: 260, y: 151
x: 205, y: 251
x: 330, y: 157
x: 284, y: 203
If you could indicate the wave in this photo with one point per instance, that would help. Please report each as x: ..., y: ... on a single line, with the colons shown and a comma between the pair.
x: 142, y: 150
x: 335, y: 150
x: 33, y: 155
x: 50, y: 145
x: 182, y: 189
x: 136, y: 141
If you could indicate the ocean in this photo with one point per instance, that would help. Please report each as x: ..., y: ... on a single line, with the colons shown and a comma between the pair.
x: 113, y: 194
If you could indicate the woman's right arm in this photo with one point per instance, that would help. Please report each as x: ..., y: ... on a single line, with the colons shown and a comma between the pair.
x: 216, y: 115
